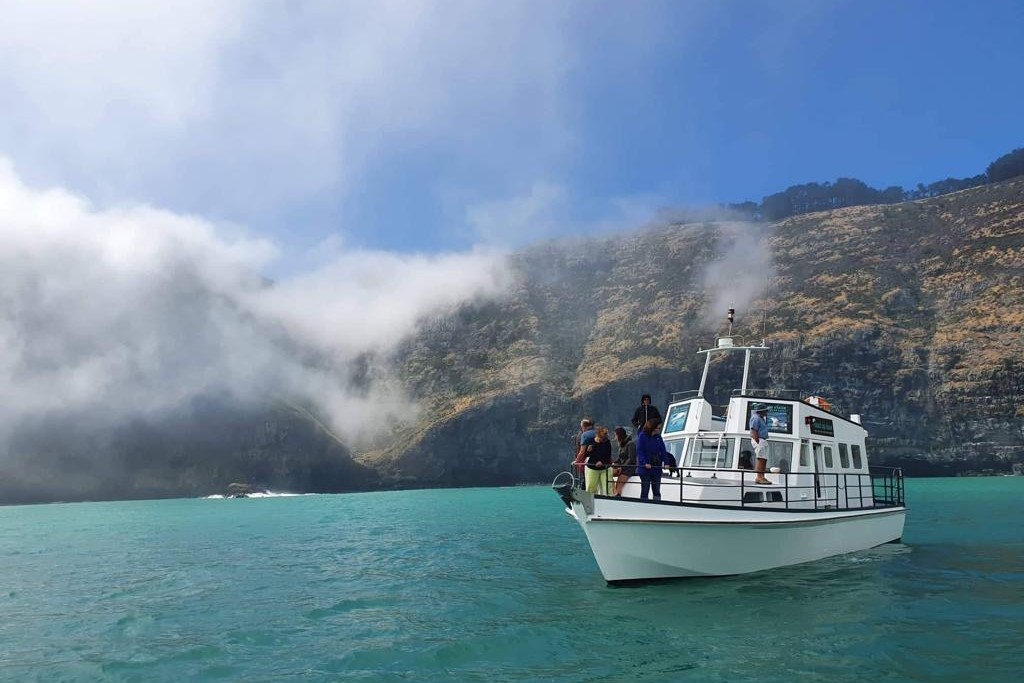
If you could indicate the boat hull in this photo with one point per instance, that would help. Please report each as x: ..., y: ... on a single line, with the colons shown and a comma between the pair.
x: 634, y: 540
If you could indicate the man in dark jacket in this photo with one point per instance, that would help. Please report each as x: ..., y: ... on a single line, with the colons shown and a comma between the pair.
x: 644, y: 413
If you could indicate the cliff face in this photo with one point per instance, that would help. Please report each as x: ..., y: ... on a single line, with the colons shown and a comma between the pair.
x: 194, y: 452
x: 910, y: 314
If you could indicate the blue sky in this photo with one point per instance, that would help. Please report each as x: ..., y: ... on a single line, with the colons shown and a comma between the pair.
x: 377, y: 160
x: 439, y: 126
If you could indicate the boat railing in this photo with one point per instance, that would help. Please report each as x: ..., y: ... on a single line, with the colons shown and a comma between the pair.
x: 790, y: 394
x: 887, y: 485
x: 683, y: 395
x: 880, y: 487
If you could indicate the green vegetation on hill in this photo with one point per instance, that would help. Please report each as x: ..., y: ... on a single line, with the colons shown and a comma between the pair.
x: 1007, y: 166
x: 844, y: 192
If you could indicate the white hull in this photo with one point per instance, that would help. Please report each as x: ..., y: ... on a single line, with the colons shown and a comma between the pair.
x: 637, y: 540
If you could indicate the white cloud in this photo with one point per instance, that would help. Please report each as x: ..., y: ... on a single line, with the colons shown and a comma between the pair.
x: 370, y: 301
x: 741, y: 273
x: 520, y: 220
x: 236, y: 108
x: 548, y: 211
x: 120, y: 312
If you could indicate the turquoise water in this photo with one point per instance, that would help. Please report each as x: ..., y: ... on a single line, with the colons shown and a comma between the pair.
x: 489, y: 585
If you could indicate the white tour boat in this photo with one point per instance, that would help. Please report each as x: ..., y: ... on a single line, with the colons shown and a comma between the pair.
x: 713, y: 520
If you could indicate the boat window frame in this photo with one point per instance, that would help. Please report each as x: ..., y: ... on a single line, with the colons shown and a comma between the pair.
x: 844, y: 456
x: 778, y: 450
x: 855, y: 452
x: 682, y: 451
x: 726, y: 452
x: 826, y: 457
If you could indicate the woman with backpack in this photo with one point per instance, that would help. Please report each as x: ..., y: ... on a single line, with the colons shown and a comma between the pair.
x: 650, y: 457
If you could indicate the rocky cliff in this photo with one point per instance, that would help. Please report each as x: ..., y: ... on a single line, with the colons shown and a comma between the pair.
x: 197, y: 451
x: 911, y: 314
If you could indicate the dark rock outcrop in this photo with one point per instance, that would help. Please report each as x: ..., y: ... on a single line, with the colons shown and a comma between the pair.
x: 239, y: 490
x: 193, y: 452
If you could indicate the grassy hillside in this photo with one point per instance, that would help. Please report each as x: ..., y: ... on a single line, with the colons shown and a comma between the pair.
x: 910, y: 314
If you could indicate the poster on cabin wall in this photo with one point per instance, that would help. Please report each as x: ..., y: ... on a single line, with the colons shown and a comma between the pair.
x: 676, y: 420
x: 780, y: 416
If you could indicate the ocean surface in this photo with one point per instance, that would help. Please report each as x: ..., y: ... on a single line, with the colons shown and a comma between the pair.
x: 490, y: 585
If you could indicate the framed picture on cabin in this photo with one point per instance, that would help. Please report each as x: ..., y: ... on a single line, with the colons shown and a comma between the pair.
x: 676, y: 420
x: 780, y: 417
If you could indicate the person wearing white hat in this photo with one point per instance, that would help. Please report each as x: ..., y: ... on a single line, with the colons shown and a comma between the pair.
x: 759, y: 439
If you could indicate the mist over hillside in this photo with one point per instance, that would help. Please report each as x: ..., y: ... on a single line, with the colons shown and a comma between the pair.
x: 130, y: 377
x: 910, y: 314
x: 142, y: 355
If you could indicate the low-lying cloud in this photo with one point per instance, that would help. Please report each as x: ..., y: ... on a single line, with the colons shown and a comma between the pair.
x: 741, y: 275
x: 129, y: 311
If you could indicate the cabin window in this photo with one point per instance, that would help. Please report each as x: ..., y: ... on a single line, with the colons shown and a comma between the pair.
x: 856, y: 456
x: 828, y: 457
x: 711, y: 453
x: 780, y: 453
x: 676, y: 447
x: 805, y: 456
x: 844, y: 457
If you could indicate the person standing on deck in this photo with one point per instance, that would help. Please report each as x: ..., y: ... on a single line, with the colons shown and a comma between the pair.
x: 650, y: 457
x: 599, y: 457
x: 644, y: 413
x: 759, y: 439
x: 586, y: 425
x: 584, y: 439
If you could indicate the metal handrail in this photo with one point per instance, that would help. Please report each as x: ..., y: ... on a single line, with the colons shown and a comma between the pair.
x: 885, y: 485
x: 780, y: 393
x: 680, y: 395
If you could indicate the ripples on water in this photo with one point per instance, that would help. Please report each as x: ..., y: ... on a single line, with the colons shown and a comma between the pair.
x: 489, y: 585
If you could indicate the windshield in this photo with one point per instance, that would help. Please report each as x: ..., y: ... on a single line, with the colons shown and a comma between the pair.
x: 711, y: 452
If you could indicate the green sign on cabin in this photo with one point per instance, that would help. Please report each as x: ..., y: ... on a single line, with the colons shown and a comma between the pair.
x: 821, y: 426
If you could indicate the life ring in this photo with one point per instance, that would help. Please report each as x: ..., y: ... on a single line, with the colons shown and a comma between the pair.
x: 819, y: 402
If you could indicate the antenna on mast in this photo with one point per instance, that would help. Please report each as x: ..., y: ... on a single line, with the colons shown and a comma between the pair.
x: 730, y: 316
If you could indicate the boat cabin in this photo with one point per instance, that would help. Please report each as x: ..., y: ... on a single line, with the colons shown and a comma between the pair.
x: 816, y: 453
x: 816, y: 457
